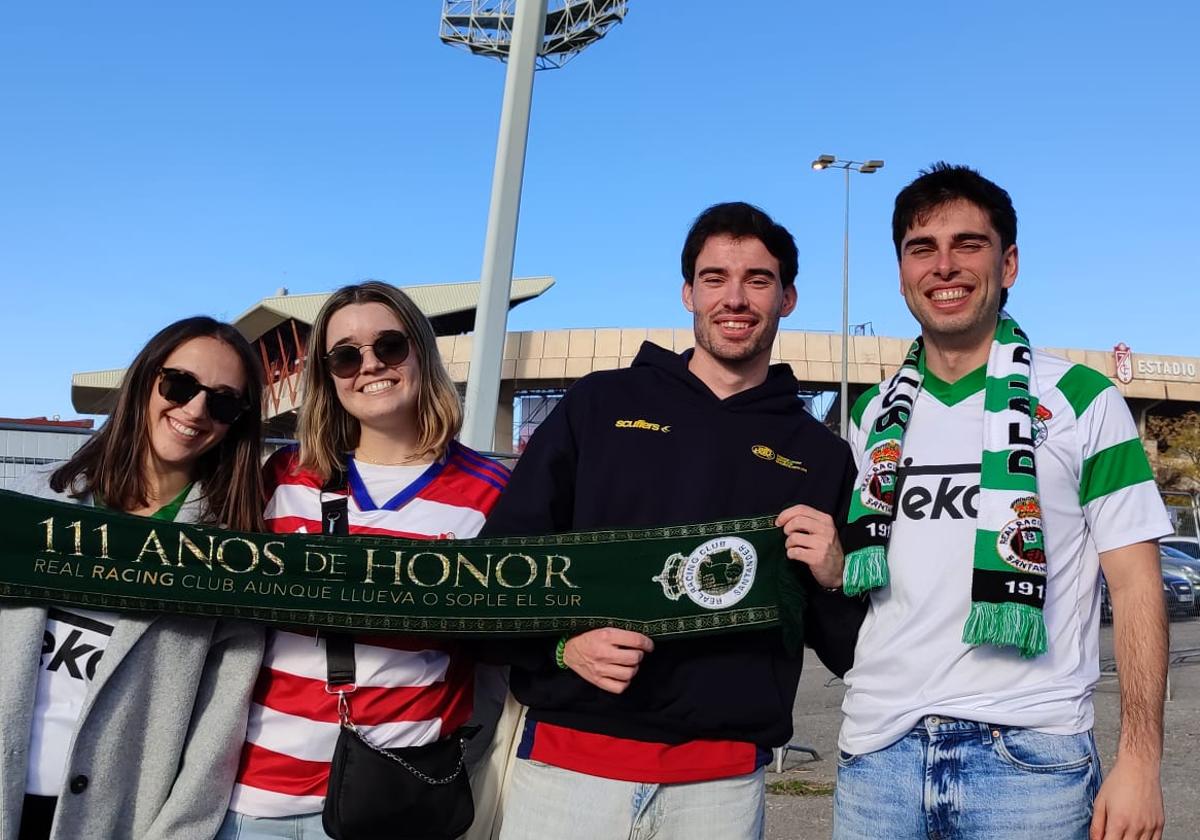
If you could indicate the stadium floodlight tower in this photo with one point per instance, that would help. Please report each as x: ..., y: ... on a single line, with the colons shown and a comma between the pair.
x: 485, y: 27
x: 527, y: 34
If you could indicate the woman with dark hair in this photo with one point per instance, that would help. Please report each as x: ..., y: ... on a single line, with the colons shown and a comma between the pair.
x: 129, y: 726
x: 376, y: 432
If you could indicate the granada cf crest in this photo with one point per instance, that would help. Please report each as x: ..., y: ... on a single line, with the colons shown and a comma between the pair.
x: 715, y: 575
x: 1123, y: 361
x: 1021, y: 543
x: 878, y: 490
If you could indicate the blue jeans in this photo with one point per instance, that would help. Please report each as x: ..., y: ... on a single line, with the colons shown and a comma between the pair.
x: 960, y: 779
x: 549, y: 803
x: 242, y: 827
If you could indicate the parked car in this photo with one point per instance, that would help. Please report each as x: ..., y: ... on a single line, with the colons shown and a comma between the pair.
x: 1189, y: 573
x: 1177, y: 561
x: 1177, y: 555
x: 1178, y: 594
x: 1187, y: 545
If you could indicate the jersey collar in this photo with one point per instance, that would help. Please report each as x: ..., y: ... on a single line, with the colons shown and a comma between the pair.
x: 952, y: 393
x: 362, y: 498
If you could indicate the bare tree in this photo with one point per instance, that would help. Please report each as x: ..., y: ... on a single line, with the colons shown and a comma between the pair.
x: 1177, y: 465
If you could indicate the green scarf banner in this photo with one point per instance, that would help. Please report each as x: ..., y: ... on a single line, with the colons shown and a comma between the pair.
x: 660, y: 581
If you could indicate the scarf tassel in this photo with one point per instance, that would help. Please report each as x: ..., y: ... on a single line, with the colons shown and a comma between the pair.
x: 866, y: 569
x: 1006, y: 624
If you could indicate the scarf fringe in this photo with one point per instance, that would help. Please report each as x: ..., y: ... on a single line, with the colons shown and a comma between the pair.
x: 792, y: 602
x: 866, y: 569
x: 1006, y: 624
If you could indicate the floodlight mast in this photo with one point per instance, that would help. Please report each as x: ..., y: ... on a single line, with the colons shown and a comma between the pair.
x: 485, y: 27
x: 533, y: 36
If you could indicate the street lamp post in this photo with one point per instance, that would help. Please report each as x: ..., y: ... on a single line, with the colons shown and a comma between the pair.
x: 865, y: 167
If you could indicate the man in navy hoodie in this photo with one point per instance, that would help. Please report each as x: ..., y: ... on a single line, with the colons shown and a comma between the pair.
x: 628, y: 737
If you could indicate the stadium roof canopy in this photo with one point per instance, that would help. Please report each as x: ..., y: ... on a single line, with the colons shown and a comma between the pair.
x: 450, y: 308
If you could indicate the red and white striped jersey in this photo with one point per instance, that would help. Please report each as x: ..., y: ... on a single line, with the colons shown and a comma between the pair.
x: 411, y: 690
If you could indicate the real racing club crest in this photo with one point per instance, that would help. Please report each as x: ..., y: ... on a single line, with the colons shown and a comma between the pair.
x: 879, y: 485
x: 717, y: 574
x: 1021, y: 543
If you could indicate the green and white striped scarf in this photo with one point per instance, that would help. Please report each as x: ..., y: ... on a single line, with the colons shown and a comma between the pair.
x: 1008, y: 587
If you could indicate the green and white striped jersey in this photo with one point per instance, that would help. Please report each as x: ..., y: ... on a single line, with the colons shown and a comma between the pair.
x: 1097, y: 493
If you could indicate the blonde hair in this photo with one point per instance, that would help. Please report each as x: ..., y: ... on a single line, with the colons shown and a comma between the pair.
x: 327, y: 431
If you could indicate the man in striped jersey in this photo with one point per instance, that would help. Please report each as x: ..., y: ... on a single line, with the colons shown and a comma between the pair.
x: 950, y: 738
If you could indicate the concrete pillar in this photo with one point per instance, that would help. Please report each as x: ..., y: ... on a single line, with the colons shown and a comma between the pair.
x: 502, y: 440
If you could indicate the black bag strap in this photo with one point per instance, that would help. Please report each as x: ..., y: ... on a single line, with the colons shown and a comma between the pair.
x: 339, y: 647
x: 335, y: 510
x: 339, y: 660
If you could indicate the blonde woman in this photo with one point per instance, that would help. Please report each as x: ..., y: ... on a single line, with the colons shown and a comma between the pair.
x: 380, y: 409
x: 128, y: 726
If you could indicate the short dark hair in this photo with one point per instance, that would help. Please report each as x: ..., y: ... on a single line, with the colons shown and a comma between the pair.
x: 943, y: 183
x: 739, y: 220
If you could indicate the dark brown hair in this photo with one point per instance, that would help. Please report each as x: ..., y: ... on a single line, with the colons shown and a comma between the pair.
x: 112, y: 464
x: 943, y: 183
x: 739, y: 220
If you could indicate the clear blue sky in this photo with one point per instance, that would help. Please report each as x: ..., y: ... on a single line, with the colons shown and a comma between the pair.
x: 159, y: 160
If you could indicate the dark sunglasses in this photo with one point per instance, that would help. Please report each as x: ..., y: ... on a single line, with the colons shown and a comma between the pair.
x: 390, y: 347
x: 179, y: 387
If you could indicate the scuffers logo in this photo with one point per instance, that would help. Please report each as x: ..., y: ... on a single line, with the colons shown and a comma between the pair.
x: 1040, y: 415
x: 879, y: 485
x: 1021, y: 543
x: 643, y: 424
x: 768, y: 454
x: 714, y: 576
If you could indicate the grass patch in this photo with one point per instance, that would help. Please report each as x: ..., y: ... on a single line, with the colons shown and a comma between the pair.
x: 799, y: 787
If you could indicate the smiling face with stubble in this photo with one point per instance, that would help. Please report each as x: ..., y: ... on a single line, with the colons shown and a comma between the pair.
x: 736, y: 298
x: 953, y: 269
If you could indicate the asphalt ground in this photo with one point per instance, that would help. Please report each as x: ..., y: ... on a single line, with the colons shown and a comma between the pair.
x: 817, y: 716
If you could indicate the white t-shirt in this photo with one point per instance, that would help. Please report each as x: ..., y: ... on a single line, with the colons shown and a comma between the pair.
x: 1097, y: 493
x: 72, y: 645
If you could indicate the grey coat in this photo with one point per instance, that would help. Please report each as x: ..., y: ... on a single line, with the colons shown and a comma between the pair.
x: 156, y: 747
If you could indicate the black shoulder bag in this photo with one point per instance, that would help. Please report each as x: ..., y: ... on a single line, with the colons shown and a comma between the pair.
x: 409, y: 793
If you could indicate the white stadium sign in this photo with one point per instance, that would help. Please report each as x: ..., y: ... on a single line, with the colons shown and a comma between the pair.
x: 1129, y: 365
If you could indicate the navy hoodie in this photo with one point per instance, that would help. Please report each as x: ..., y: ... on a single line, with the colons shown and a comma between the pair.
x: 651, y: 446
